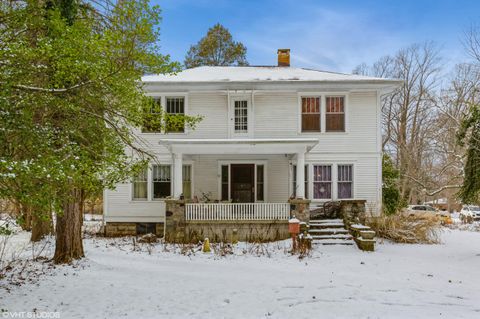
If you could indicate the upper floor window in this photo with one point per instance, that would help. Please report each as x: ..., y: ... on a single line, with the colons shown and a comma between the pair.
x: 152, y: 120
x: 241, y: 116
x: 310, y: 114
x: 335, y: 114
x: 175, y: 106
x: 322, y: 181
x: 140, y: 182
x: 345, y: 181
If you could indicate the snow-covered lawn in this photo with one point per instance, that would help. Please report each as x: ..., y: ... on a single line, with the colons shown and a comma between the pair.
x: 396, y: 281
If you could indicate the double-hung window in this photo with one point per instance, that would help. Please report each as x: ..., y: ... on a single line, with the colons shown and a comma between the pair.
x: 322, y: 181
x: 187, y: 181
x: 175, y: 107
x: 310, y: 114
x: 152, y: 117
x: 335, y: 114
x: 295, y: 181
x: 140, y: 185
x: 345, y: 181
x: 162, y: 181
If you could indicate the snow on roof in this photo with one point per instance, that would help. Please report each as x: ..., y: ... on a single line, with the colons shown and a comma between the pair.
x: 259, y: 74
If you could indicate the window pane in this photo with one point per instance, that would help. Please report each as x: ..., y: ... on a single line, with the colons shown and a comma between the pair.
x: 175, y: 107
x: 224, y: 173
x: 345, y: 173
x: 187, y: 181
x: 322, y: 181
x: 152, y: 117
x: 241, y: 116
x: 310, y: 122
x: 322, y: 190
x: 161, y: 190
x: 335, y: 114
x: 161, y: 180
x: 310, y: 114
x: 140, y: 190
x: 295, y: 181
x: 260, y: 183
x: 335, y: 122
x: 345, y: 181
x: 224, y: 195
x: 140, y: 185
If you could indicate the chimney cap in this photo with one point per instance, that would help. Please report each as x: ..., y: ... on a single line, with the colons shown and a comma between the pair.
x: 283, y: 51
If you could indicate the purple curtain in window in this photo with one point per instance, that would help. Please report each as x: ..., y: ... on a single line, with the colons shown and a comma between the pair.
x: 322, y: 181
x: 345, y: 181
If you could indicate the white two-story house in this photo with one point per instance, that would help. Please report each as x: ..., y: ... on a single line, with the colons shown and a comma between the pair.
x: 269, y: 133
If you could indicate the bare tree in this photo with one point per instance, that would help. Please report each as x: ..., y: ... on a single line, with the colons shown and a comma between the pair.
x: 408, y: 112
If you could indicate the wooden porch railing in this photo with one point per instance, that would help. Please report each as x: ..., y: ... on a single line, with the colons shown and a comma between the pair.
x: 237, y: 211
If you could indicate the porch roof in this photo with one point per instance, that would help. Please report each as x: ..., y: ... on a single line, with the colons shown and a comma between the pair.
x: 240, y: 145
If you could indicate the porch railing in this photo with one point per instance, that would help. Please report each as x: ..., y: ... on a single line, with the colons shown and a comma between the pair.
x: 237, y: 211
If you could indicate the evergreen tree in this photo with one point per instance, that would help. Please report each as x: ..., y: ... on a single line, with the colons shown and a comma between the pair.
x: 217, y: 48
x: 469, y: 136
x: 390, y: 191
x: 70, y: 73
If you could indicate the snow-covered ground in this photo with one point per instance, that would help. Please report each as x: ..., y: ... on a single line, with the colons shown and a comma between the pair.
x: 396, y: 281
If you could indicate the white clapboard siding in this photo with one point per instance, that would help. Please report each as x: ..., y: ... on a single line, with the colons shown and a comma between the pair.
x: 276, y: 115
x: 120, y: 207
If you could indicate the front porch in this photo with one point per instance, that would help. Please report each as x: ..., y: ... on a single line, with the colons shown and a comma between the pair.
x: 238, y: 170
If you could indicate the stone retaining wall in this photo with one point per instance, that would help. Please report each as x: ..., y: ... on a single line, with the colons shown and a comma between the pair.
x: 128, y: 229
x: 233, y: 231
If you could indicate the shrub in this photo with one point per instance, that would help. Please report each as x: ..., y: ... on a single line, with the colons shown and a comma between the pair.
x: 392, y: 201
x: 406, y: 229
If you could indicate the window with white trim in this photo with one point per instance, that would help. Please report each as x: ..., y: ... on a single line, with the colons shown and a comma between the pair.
x: 225, y: 172
x: 152, y: 121
x: 187, y: 181
x: 140, y: 185
x: 322, y: 181
x: 310, y: 114
x: 345, y: 181
x: 241, y: 116
x: 162, y: 181
x: 175, y: 106
x: 335, y: 114
x: 260, y: 182
x: 295, y: 181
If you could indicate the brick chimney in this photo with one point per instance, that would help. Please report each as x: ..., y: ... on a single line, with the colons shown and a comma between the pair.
x: 283, y: 57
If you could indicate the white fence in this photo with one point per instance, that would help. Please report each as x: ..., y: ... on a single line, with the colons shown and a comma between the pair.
x: 237, y: 211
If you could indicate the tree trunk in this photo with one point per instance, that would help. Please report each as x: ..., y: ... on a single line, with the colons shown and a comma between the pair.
x: 41, y: 226
x: 69, y: 245
x: 26, y: 217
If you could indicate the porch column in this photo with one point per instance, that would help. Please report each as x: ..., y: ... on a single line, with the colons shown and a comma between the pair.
x: 300, y: 175
x: 177, y: 175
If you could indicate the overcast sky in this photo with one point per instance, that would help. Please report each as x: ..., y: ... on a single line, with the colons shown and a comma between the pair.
x: 334, y: 35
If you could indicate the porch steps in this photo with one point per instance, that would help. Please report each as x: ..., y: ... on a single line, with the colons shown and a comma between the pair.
x: 329, y: 232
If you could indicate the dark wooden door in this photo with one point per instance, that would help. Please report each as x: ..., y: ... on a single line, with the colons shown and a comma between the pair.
x: 242, y: 179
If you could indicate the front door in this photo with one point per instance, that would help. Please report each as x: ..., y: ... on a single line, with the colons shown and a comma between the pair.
x: 242, y: 183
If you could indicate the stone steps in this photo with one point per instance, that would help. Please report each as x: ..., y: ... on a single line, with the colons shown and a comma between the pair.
x: 335, y: 242
x: 329, y: 232
x: 339, y: 236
